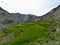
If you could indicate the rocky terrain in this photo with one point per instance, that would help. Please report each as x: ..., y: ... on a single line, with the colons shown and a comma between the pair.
x: 54, y: 14
x: 24, y: 17
x: 6, y: 18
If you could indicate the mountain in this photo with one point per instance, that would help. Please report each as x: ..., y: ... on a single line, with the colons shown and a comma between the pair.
x: 6, y: 18
x: 54, y: 14
x: 24, y: 17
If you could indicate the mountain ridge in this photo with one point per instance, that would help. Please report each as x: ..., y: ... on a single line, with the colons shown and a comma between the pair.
x: 7, y: 18
x: 54, y: 14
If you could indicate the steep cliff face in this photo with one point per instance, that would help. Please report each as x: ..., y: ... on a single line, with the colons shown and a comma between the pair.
x: 6, y: 18
x: 53, y: 14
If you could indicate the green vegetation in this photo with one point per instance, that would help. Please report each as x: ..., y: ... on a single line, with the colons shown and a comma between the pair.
x: 30, y: 33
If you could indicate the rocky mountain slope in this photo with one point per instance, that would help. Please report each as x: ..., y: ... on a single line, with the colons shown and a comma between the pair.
x: 6, y: 18
x: 24, y: 17
x: 54, y: 14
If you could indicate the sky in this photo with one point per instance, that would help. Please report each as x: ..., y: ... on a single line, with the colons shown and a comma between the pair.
x: 36, y: 7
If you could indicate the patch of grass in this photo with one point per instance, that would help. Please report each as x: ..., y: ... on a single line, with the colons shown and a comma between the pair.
x: 29, y: 32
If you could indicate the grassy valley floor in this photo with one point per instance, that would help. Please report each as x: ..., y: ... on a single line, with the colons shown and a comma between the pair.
x: 31, y: 33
